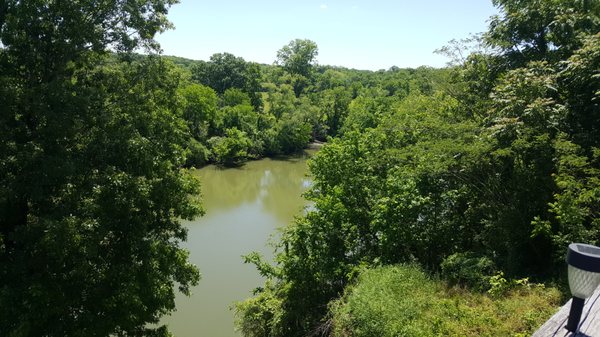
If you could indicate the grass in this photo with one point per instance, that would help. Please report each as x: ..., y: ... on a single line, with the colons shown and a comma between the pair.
x: 404, y: 301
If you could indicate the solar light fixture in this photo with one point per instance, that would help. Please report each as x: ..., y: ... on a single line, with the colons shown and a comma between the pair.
x: 584, y: 277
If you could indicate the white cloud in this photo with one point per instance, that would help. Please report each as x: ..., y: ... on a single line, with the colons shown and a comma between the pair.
x: 323, y: 7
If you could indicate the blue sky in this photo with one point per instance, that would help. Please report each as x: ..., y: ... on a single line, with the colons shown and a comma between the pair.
x: 359, y: 34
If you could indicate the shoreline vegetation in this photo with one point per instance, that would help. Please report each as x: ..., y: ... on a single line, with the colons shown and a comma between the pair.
x: 310, y: 147
x: 479, y: 174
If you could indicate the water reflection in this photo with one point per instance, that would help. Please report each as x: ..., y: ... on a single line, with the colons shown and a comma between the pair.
x: 243, y: 206
x: 274, y: 184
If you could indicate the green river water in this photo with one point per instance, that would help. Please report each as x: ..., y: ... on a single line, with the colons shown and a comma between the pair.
x: 244, y: 207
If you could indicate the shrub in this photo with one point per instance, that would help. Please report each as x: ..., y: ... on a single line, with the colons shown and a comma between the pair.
x: 197, y: 154
x: 231, y: 150
x: 404, y: 301
x: 468, y: 269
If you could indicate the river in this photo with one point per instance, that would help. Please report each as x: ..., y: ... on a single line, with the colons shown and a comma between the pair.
x: 244, y: 207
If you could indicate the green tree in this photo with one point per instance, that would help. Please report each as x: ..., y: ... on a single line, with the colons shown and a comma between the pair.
x: 232, y: 149
x: 335, y: 104
x: 573, y: 214
x: 91, y: 191
x: 233, y: 97
x: 298, y: 57
x: 384, y: 196
x: 580, y: 82
x: 365, y: 112
x: 241, y: 117
x: 293, y: 133
x: 279, y: 99
x: 200, y: 110
x: 225, y: 71
x: 541, y: 30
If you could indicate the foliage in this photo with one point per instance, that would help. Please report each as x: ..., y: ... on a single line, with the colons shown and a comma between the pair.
x: 233, y: 97
x: 289, y: 108
x: 574, y: 211
x: 335, y: 104
x: 366, y: 212
x: 293, y: 133
x: 260, y: 316
x: 489, y: 166
x: 468, y: 269
x: 403, y: 301
x: 231, y: 149
x: 541, y: 30
x: 200, y: 110
x: 226, y: 71
x: 580, y: 80
x: 91, y: 187
x: 242, y: 117
x: 198, y: 154
x: 298, y: 57
x: 365, y: 112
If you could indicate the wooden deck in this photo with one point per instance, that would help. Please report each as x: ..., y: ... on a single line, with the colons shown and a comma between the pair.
x: 589, y: 324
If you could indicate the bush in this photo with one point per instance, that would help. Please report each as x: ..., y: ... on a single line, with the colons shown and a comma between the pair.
x: 404, y: 301
x: 197, y: 154
x: 259, y: 316
x: 231, y: 150
x: 293, y: 134
x: 468, y: 269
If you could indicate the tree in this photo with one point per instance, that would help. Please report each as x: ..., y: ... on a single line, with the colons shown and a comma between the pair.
x: 226, y: 71
x: 91, y: 191
x: 298, y: 59
x: 233, y: 97
x: 541, y: 30
x: 200, y: 109
x: 573, y: 215
x: 293, y: 133
x: 581, y: 84
x: 364, y: 112
x: 383, y: 196
x: 231, y: 149
x: 335, y: 104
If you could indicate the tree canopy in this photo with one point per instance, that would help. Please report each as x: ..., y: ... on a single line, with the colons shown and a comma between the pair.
x: 298, y: 57
x: 226, y: 71
x: 91, y: 191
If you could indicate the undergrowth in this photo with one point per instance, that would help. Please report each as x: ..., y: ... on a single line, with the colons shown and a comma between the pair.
x: 404, y: 301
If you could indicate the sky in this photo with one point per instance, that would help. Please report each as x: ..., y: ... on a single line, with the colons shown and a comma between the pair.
x: 360, y: 34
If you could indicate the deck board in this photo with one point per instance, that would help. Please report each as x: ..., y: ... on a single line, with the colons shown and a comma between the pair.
x: 589, y: 325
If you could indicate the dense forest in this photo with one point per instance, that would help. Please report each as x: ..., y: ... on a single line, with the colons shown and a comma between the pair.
x: 237, y: 110
x: 481, y: 173
x: 478, y: 174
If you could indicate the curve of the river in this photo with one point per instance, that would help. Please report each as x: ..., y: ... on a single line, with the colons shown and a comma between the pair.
x: 244, y: 207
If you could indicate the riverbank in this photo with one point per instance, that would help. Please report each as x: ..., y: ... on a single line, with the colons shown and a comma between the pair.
x: 316, y: 145
x: 308, y: 151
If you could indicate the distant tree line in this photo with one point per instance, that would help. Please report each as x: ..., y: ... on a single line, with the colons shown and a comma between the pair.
x: 238, y: 110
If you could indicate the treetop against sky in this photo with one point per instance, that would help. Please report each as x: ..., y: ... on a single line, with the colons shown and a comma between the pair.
x: 374, y: 34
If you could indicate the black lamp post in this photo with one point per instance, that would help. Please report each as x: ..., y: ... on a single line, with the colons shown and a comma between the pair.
x: 584, y: 277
